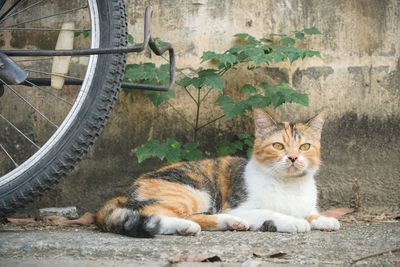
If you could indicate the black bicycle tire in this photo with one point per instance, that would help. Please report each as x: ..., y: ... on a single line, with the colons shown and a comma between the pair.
x: 89, y: 122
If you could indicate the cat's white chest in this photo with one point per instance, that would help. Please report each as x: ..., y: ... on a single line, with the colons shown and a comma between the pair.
x: 296, y: 197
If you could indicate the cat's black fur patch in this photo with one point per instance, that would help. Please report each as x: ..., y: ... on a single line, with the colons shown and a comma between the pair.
x: 137, y: 225
x: 238, y: 187
x: 173, y: 175
x: 268, y: 226
x: 291, y: 124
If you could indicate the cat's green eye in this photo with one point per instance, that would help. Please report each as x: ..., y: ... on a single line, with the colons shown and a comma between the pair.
x: 278, y: 146
x: 305, y: 147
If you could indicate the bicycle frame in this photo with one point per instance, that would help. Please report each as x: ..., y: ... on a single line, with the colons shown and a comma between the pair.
x: 147, y: 40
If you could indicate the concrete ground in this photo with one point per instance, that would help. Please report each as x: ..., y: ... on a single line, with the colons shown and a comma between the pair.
x: 86, y: 246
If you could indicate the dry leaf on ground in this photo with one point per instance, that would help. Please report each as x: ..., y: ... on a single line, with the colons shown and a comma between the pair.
x: 337, y: 213
x: 194, y: 258
x: 85, y: 219
x: 22, y: 222
x: 279, y: 255
x: 53, y: 220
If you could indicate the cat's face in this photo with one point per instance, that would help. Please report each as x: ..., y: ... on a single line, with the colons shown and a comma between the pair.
x: 288, y: 150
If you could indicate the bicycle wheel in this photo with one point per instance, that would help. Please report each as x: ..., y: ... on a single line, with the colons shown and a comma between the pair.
x: 46, y: 131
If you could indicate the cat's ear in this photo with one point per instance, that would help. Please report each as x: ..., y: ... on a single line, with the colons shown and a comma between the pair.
x: 315, y: 124
x: 262, y: 122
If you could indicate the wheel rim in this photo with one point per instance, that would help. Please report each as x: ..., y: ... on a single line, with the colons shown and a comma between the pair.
x: 73, y: 113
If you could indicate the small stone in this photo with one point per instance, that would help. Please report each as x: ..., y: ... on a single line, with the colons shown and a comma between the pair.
x: 68, y: 212
x: 27, y: 248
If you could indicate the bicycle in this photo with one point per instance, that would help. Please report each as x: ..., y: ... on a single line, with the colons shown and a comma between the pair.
x: 37, y: 146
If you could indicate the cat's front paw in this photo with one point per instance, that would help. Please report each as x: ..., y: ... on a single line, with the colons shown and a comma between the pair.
x: 229, y: 222
x: 292, y: 225
x: 188, y: 228
x: 325, y: 223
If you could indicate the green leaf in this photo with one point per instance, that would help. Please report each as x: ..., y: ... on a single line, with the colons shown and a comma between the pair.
x: 185, y: 82
x: 288, y: 41
x: 293, y: 53
x: 267, y: 58
x: 147, y: 71
x: 130, y: 39
x: 225, y: 147
x: 311, y: 31
x: 157, y: 98
x: 248, y: 88
x: 86, y: 34
x: 277, y: 34
x: 283, y: 93
x: 311, y: 53
x: 248, y: 140
x: 242, y: 35
x: 265, y: 86
x: 257, y: 101
x: 207, y: 77
x: 236, y: 48
x: 230, y: 108
x: 254, y: 52
x: 150, y: 149
x: 278, y: 56
x: 265, y: 40
x: 172, y: 150
x: 190, y: 152
x: 242, y: 136
x: 299, y: 35
x: 210, y: 78
x: 162, y: 74
x: 225, y: 59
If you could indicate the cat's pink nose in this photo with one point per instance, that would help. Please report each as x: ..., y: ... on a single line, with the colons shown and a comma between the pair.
x: 292, y: 158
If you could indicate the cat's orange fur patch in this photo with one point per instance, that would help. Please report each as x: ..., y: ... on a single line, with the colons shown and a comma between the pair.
x: 172, y: 199
x: 225, y: 207
x: 223, y: 180
x: 205, y: 221
x: 312, y: 218
x: 108, y: 208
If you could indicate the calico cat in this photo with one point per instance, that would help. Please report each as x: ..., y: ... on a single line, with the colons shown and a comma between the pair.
x: 273, y: 191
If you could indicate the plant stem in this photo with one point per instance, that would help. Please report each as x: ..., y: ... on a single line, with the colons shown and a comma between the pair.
x: 196, y: 128
x: 191, y: 96
x: 208, y: 123
x: 180, y: 114
x: 204, y: 97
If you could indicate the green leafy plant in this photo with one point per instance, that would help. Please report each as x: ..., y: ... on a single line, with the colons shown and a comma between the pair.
x: 248, y: 50
x: 85, y: 33
x: 244, y: 143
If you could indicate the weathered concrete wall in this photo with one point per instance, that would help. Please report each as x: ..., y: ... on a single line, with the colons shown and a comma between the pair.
x: 357, y: 81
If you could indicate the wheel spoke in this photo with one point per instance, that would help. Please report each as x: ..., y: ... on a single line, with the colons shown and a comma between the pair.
x: 49, y: 92
x: 52, y: 74
x: 49, y: 16
x: 22, y: 10
x: 29, y: 104
x: 8, y: 155
x: 20, y: 132
x: 10, y: 9
x: 41, y: 29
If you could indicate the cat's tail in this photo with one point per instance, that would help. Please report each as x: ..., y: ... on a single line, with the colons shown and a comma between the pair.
x: 116, y: 218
